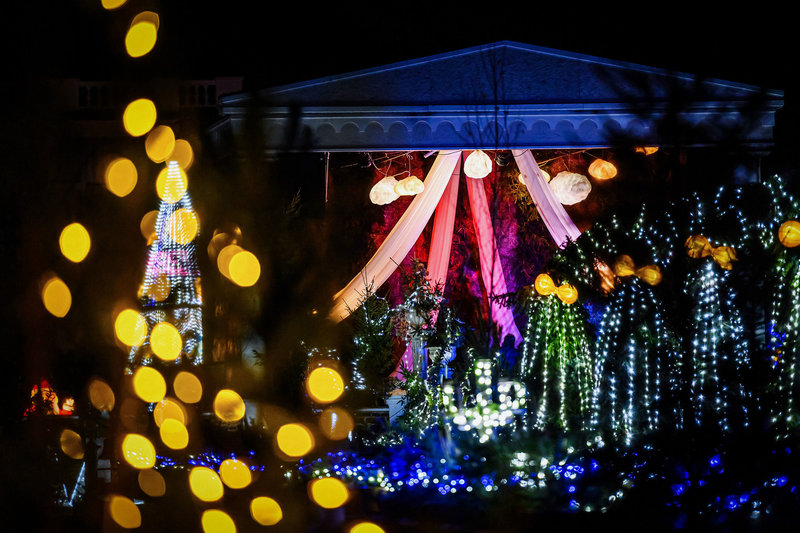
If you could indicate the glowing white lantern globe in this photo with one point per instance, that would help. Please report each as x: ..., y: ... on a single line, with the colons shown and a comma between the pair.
x: 382, y: 193
x: 570, y: 188
x: 409, y: 186
x: 478, y: 164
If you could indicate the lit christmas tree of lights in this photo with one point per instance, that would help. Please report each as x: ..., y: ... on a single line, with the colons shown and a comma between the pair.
x: 171, y: 291
x: 555, y: 363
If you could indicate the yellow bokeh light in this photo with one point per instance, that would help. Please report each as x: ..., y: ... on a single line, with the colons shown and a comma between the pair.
x: 124, y: 512
x: 71, y: 444
x: 160, y: 288
x: 328, y: 492
x: 235, y: 473
x: 171, y: 183
x: 324, y: 384
x: 75, y: 242
x: 265, y: 511
x: 228, y: 406
x: 182, y: 154
x: 101, y: 395
x: 187, y: 387
x: 169, y: 408
x: 216, y: 521
x: 112, y: 4
x: 142, y: 34
x: 139, y: 117
x: 149, y: 384
x: 295, y: 440
x: 224, y: 258
x: 148, y: 225
x: 121, y: 176
x: 159, y: 144
x: 152, y: 483
x: 182, y: 226
x: 130, y: 327
x: 56, y: 297
x: 138, y: 451
x: 366, y: 527
x: 174, y: 434
x: 244, y: 269
x: 165, y: 341
x: 205, y: 484
x: 336, y: 423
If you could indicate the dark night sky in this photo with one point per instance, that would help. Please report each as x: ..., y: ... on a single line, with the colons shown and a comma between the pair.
x: 296, y: 41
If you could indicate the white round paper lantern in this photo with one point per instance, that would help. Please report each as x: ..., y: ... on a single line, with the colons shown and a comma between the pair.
x: 409, y: 186
x: 570, y: 188
x: 478, y: 164
x: 382, y: 193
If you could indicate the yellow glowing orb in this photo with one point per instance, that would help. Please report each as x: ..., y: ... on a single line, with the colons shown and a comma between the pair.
x: 328, y: 492
x: 142, y: 34
x: 138, y: 451
x: 174, y: 434
x: 182, y: 226
x: 567, y: 293
x: 171, y: 183
x: 130, y: 327
x: 148, y: 225
x: 169, y: 408
x: 121, y: 176
x: 244, y: 269
x: 112, y: 4
x: 544, y: 284
x: 101, y: 396
x: 124, y: 512
x: 159, y: 144
x: 152, y: 483
x: 160, y: 288
x: 224, y: 258
x: 235, y: 473
x: 165, y: 341
x: 650, y: 274
x: 295, y: 440
x: 149, y: 384
x: 187, y: 387
x: 216, y: 521
x: 366, y: 527
x: 789, y: 233
x: 265, y: 511
x: 71, y: 444
x: 228, y: 406
x: 624, y: 266
x: 602, y: 170
x: 697, y: 246
x: 56, y: 297
x: 139, y: 117
x: 336, y: 423
x: 324, y: 384
x: 182, y: 154
x: 75, y: 242
x: 205, y: 484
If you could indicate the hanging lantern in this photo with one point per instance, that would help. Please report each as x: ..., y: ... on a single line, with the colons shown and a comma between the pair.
x: 647, y: 150
x: 723, y: 255
x: 789, y: 233
x: 570, y: 188
x: 382, y: 193
x: 624, y: 267
x: 409, y: 186
x: 607, y: 280
x: 567, y: 293
x: 602, y: 170
x: 478, y: 164
x: 650, y: 274
x: 544, y: 284
x: 542, y: 171
x: 697, y: 246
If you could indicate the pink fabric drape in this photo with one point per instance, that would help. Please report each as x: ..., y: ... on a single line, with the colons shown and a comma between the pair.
x: 555, y: 217
x: 491, y: 268
x: 439, y: 256
x: 400, y: 240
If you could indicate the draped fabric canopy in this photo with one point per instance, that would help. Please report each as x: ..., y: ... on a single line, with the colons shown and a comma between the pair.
x: 441, y: 194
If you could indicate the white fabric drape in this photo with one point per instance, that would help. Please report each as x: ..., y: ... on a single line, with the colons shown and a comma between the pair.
x: 555, y: 217
x: 400, y: 240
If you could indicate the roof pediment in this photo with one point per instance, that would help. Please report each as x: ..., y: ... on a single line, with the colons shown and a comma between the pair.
x: 507, y: 94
